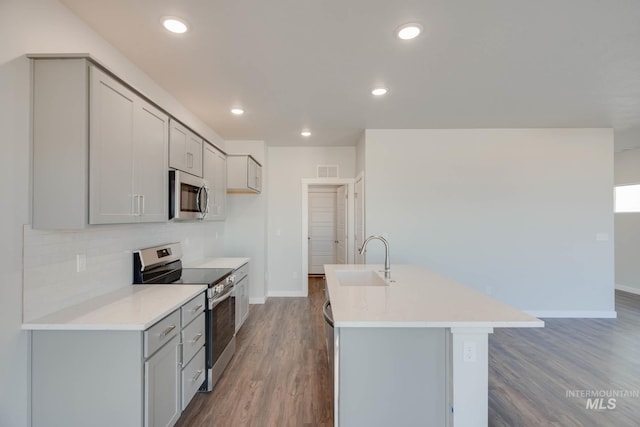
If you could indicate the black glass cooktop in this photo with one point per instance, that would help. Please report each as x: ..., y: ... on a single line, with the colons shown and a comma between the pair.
x: 205, y: 276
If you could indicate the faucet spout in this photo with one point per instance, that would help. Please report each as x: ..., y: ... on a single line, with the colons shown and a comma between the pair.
x: 387, y: 263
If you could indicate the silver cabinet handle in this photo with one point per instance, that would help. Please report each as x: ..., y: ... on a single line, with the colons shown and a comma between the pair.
x: 195, y: 378
x: 142, y: 197
x: 197, y: 308
x: 325, y: 313
x: 167, y: 331
x: 196, y: 338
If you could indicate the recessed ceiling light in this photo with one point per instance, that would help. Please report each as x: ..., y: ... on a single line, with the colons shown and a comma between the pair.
x: 409, y: 31
x: 305, y: 133
x: 379, y: 91
x: 175, y: 25
x: 237, y: 111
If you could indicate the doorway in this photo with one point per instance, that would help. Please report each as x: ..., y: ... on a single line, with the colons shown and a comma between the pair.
x: 327, y: 225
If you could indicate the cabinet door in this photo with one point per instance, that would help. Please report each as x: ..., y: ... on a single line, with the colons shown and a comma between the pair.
x: 239, y: 286
x: 258, y: 178
x: 242, y: 302
x: 178, y: 140
x: 150, y: 163
x: 162, y: 386
x: 185, y: 149
x: 111, y: 123
x: 194, y: 154
x: 215, y: 172
x: 252, y: 169
x: 245, y: 300
x: 209, y: 174
x: 221, y: 185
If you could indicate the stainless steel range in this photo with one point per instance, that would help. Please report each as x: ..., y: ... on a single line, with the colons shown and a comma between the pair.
x: 163, y: 265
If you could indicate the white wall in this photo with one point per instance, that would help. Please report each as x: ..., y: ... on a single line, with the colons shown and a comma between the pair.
x: 287, y: 167
x: 627, y: 225
x: 510, y: 212
x: 360, y: 154
x: 45, y: 26
x: 246, y: 224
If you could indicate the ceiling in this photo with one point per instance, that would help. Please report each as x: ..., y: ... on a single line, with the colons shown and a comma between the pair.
x: 294, y: 64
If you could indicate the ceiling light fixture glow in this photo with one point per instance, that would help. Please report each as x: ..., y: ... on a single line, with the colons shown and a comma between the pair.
x: 175, y: 25
x: 409, y: 31
x: 379, y: 91
x: 306, y: 133
x: 237, y: 111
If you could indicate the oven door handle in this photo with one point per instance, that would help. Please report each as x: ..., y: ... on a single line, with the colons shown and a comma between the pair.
x: 215, y: 301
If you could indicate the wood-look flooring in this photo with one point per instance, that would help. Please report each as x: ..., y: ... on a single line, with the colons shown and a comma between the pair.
x: 279, y: 375
x: 533, y: 372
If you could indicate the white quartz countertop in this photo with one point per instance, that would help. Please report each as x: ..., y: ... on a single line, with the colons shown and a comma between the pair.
x: 132, y: 308
x: 419, y: 298
x: 228, y: 262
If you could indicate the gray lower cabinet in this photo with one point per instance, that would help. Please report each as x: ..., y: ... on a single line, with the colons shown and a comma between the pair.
x: 162, y: 386
x: 242, y: 294
x: 118, y: 378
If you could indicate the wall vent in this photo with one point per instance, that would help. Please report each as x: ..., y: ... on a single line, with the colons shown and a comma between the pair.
x: 327, y: 171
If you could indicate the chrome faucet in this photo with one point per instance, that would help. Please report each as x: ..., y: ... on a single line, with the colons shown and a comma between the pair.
x: 387, y: 264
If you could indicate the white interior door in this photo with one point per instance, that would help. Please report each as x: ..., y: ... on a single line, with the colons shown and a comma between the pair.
x: 359, y: 218
x: 341, y: 225
x: 322, y: 228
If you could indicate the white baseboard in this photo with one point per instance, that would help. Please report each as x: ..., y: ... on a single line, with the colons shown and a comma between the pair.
x: 288, y: 294
x: 577, y: 314
x: 629, y: 289
x: 260, y: 300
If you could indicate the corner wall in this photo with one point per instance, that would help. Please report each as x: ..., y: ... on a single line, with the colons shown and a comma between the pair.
x: 287, y: 167
x: 246, y: 223
x: 520, y: 214
x: 627, y: 225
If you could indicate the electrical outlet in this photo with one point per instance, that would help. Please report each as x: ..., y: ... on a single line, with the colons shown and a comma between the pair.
x: 81, y: 263
x: 469, y: 352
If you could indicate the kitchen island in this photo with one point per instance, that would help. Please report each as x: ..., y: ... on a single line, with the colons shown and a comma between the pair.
x: 412, y: 349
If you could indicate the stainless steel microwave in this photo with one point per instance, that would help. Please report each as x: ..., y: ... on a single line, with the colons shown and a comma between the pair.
x: 188, y: 196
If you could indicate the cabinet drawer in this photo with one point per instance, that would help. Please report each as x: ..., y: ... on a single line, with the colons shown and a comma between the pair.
x: 193, y: 376
x: 193, y: 338
x: 160, y: 333
x: 241, y: 272
x: 192, y: 309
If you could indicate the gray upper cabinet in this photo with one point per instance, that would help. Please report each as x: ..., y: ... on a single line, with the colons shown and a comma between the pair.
x: 99, y: 149
x: 185, y: 149
x: 128, y: 155
x: 215, y: 172
x: 244, y: 174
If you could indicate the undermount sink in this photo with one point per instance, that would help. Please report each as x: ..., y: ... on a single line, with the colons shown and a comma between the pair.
x: 360, y: 278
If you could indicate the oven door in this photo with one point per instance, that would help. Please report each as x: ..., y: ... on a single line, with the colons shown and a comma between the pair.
x: 222, y: 325
x: 188, y: 196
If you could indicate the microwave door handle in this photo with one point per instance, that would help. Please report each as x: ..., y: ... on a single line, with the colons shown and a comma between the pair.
x: 198, y: 199
x: 204, y: 212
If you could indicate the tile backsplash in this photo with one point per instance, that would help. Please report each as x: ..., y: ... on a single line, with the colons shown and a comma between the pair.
x: 51, y: 278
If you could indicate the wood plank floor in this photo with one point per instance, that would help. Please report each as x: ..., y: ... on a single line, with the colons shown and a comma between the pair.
x: 531, y: 371
x: 279, y: 376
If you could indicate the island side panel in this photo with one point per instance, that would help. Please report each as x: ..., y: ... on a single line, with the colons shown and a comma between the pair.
x: 87, y: 378
x: 392, y: 376
x: 470, y: 376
